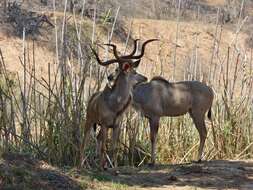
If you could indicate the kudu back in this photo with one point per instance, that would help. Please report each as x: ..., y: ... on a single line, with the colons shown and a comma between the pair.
x: 106, y: 107
x: 159, y: 98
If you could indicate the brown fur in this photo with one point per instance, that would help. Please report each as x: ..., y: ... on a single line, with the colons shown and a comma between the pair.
x: 159, y: 98
x: 159, y: 78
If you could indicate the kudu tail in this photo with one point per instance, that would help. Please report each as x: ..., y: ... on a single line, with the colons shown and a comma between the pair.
x: 209, y: 114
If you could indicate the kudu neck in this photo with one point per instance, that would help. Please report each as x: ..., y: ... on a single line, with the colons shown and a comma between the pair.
x: 122, y: 85
x: 120, y: 93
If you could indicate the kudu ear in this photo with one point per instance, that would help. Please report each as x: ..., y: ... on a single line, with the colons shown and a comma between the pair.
x: 136, y: 63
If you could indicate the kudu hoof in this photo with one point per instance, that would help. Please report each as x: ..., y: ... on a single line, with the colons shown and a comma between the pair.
x: 103, y: 168
x: 197, y: 161
x: 116, y: 172
x: 151, y: 165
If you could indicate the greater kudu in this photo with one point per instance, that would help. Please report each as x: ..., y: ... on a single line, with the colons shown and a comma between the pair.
x: 159, y: 98
x: 106, y: 107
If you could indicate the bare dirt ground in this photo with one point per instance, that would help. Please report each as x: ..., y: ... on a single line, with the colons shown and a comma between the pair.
x: 23, y: 172
x: 216, y: 174
x: 215, y: 2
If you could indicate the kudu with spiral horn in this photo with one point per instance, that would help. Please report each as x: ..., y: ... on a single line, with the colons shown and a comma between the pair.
x: 107, y: 106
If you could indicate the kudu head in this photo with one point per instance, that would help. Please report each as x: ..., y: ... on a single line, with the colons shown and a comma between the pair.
x: 127, y: 64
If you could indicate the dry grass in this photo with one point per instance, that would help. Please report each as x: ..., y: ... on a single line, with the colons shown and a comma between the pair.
x: 215, y: 2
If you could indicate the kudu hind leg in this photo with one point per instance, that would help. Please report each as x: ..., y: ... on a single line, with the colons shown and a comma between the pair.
x: 104, y: 131
x: 154, y: 125
x: 199, y: 121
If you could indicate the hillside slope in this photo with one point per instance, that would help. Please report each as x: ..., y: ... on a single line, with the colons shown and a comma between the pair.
x: 193, y: 37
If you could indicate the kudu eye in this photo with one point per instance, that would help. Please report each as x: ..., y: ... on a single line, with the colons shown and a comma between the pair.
x: 136, y: 63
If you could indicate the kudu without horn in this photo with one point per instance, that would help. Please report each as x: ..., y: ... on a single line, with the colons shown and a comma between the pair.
x: 159, y: 98
x: 106, y: 107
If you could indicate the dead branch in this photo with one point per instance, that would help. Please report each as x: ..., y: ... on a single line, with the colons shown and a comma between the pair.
x: 22, y: 19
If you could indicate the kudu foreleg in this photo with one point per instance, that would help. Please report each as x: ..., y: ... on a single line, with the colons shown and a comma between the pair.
x: 115, y: 140
x: 115, y: 144
x: 154, y: 125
